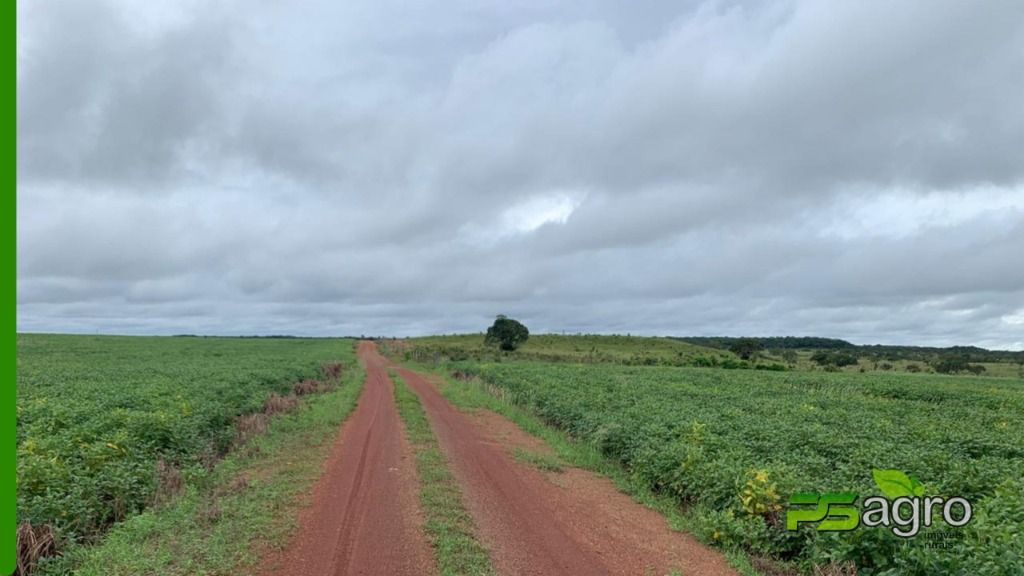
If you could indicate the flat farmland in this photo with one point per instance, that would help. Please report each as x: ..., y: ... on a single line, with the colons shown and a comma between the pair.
x: 731, y: 446
x: 135, y: 451
x: 100, y: 416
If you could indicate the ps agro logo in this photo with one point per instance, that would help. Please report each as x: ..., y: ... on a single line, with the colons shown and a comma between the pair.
x: 904, y: 509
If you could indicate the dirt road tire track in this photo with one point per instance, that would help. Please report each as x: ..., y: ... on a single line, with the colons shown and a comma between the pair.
x: 364, y: 515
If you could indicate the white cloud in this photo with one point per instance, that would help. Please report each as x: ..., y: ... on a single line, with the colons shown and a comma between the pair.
x: 901, y: 213
x: 521, y: 219
x: 537, y: 211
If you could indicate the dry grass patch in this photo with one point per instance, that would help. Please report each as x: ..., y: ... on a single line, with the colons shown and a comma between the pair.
x: 306, y: 387
x: 33, y: 544
x: 331, y: 371
x: 250, y: 425
x: 169, y: 482
x: 280, y: 404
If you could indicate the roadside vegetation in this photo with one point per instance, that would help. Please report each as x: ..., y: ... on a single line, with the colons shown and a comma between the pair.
x: 543, y: 462
x: 151, y: 435
x: 730, y: 447
x: 448, y: 524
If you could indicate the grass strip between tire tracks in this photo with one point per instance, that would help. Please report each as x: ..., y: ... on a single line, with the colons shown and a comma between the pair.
x: 448, y: 524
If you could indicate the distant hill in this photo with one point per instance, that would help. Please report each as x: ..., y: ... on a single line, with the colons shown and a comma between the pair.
x: 971, y: 353
x: 772, y: 342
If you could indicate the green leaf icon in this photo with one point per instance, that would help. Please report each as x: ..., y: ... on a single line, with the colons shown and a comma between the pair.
x: 895, y: 484
x: 916, y: 486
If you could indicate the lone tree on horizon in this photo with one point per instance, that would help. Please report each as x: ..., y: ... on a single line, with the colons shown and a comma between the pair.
x: 506, y: 333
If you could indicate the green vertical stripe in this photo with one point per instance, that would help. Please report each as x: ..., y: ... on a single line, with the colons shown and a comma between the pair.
x: 9, y: 332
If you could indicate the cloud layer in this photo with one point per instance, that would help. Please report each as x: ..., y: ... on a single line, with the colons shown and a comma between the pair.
x: 849, y: 169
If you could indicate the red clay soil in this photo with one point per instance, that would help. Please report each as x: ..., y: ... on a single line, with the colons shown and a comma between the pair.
x: 364, y: 516
x: 575, y: 523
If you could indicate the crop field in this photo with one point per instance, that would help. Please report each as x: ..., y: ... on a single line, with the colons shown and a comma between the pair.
x: 98, y: 417
x: 733, y: 445
x: 105, y: 422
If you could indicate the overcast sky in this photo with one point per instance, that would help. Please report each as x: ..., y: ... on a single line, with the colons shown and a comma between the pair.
x: 847, y: 169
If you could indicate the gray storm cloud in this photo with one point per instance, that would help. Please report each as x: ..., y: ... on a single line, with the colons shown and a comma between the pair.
x: 848, y: 169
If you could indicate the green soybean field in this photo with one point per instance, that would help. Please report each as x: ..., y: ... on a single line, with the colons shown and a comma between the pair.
x: 100, y: 418
x: 732, y: 446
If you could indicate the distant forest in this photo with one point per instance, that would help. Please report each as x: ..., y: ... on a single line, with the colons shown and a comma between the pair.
x: 875, y: 351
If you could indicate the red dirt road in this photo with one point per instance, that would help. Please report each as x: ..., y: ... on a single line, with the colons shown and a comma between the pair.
x: 364, y: 516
